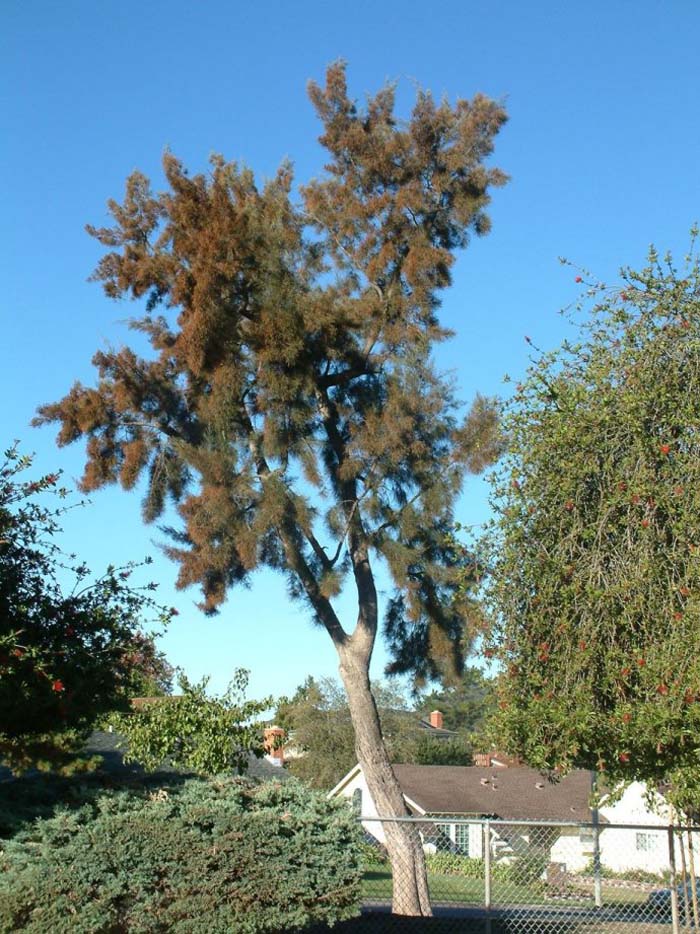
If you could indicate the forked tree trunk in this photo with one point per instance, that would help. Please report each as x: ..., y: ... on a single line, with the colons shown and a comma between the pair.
x: 403, y: 843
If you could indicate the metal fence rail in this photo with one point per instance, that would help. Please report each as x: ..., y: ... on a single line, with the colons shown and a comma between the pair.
x: 544, y: 877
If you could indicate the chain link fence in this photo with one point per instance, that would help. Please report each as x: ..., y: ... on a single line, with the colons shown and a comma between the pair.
x: 539, y: 877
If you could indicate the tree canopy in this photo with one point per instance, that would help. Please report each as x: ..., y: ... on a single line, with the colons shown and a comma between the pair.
x: 595, y: 554
x: 290, y: 407
x: 67, y: 656
x: 301, y: 349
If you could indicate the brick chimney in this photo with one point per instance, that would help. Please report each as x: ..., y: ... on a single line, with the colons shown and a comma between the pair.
x: 273, y: 738
x: 436, y: 719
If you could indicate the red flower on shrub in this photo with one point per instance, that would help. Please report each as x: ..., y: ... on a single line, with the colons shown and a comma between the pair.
x: 58, y: 686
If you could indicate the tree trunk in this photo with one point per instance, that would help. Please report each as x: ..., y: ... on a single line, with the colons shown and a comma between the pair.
x: 403, y: 843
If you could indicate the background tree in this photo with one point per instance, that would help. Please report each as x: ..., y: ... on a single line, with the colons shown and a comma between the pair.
x: 465, y: 703
x: 317, y: 719
x: 319, y: 728
x: 595, y: 554
x: 66, y: 657
x: 195, y: 731
x: 291, y: 408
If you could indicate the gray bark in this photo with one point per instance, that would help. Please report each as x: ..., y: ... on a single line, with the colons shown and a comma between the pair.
x: 410, y: 881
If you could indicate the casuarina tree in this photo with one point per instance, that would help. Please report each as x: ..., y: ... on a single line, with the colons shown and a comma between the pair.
x: 595, y: 570
x: 290, y: 407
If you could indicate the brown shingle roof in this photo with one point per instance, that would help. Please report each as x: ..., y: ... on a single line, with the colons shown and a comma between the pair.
x: 514, y: 793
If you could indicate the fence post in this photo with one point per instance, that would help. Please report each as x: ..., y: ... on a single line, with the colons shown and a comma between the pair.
x: 693, y: 883
x: 597, y: 884
x: 675, y: 916
x: 486, y: 849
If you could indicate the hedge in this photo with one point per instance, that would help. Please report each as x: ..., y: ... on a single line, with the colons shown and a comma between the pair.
x: 205, y: 857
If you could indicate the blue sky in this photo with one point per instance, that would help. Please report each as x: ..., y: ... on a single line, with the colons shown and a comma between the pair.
x: 603, y: 147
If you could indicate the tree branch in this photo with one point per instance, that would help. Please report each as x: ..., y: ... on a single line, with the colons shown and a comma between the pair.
x: 288, y: 530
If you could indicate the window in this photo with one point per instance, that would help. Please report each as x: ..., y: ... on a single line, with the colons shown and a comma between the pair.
x: 646, y: 842
x: 357, y: 801
x: 461, y: 838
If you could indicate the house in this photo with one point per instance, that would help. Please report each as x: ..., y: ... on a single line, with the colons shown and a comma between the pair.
x: 642, y: 848
x: 509, y: 794
x: 444, y: 791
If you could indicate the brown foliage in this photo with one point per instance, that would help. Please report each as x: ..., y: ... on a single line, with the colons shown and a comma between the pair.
x: 295, y: 340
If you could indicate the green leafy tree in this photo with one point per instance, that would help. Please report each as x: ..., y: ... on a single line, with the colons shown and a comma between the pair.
x: 595, y: 556
x: 290, y: 407
x: 196, y: 731
x: 465, y: 703
x: 318, y: 720
x: 66, y: 656
x: 428, y: 750
x: 319, y: 726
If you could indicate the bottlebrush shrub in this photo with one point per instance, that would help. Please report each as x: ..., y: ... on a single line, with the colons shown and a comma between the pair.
x: 220, y: 856
x: 594, y: 555
x: 72, y: 647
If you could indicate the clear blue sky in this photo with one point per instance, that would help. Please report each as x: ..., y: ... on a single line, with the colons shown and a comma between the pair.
x: 603, y: 146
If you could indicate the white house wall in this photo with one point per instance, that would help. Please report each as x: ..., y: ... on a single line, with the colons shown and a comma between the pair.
x: 573, y: 849
x: 625, y: 850
x: 367, y: 809
x: 476, y: 841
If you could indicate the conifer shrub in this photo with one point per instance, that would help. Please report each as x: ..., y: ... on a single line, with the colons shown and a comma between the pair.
x: 214, y: 856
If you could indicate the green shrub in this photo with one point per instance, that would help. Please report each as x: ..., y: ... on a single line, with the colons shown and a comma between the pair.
x: 452, y: 864
x: 523, y: 870
x: 526, y: 869
x: 29, y: 797
x: 202, y: 858
x: 627, y: 875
